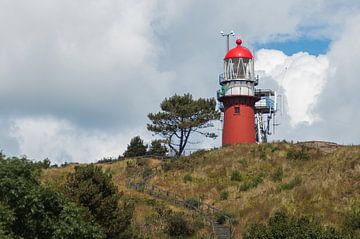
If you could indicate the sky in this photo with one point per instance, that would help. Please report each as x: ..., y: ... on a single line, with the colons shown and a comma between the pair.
x: 78, y: 78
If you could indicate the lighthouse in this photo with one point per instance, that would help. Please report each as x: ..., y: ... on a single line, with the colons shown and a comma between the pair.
x: 243, y: 106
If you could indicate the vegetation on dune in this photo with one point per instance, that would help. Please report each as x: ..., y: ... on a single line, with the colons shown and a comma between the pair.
x: 317, y: 190
x: 31, y: 210
x: 94, y: 190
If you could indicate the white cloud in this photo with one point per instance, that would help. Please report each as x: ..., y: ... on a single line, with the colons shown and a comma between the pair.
x: 301, y: 76
x: 62, y: 141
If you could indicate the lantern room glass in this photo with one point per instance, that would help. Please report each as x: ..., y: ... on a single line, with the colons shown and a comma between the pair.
x: 239, y: 69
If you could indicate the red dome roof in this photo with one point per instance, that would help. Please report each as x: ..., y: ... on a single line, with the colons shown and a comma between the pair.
x: 238, y: 51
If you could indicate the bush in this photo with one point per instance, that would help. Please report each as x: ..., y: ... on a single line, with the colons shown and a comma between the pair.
x: 277, y: 175
x: 224, y: 195
x: 187, y: 178
x: 352, y: 219
x: 252, y: 183
x: 222, y: 217
x: 298, y: 154
x: 282, y: 226
x: 157, y: 149
x: 290, y: 185
x: 177, y: 226
x: 31, y: 210
x: 94, y: 190
x: 135, y: 148
x: 235, y: 176
x: 147, y: 172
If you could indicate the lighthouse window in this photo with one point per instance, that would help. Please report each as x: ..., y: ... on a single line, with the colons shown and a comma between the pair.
x: 237, y: 110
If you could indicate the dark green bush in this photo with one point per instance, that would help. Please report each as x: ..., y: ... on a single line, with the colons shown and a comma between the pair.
x: 281, y: 226
x: 157, y: 148
x: 298, y: 154
x: 222, y: 217
x: 177, y: 226
x: 135, y: 148
x: 147, y: 172
x: 94, y: 190
x: 31, y: 210
x: 187, y: 178
x: 277, y: 175
x: 235, y: 176
x: 224, y: 195
x: 252, y: 183
x: 352, y: 219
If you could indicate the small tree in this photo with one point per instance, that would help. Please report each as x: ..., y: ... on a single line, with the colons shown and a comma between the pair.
x: 135, y: 148
x: 156, y: 148
x: 180, y: 116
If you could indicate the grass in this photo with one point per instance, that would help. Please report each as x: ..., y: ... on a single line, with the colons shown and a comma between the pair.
x: 308, y: 181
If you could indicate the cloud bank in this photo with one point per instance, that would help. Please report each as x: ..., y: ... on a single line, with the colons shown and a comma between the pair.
x: 79, y: 77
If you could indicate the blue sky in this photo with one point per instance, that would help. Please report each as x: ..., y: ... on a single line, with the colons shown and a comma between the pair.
x: 304, y: 44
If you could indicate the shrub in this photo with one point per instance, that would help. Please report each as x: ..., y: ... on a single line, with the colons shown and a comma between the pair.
x: 282, y: 226
x: 135, y: 148
x: 352, y: 219
x: 177, y: 226
x: 94, y: 190
x: 298, y: 154
x: 31, y: 210
x: 252, y: 183
x: 224, y: 195
x: 187, y: 178
x: 147, y: 172
x: 235, y: 176
x: 290, y: 185
x: 277, y: 175
x: 222, y: 216
x: 157, y: 149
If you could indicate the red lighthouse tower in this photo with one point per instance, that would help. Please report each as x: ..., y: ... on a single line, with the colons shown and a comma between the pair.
x: 237, y: 96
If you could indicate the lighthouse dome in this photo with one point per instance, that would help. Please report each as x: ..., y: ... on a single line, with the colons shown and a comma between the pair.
x: 239, y: 51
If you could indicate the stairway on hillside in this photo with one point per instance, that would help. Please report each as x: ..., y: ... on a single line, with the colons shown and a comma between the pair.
x: 221, y: 231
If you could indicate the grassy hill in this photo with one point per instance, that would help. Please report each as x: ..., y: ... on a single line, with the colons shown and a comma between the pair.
x: 248, y: 182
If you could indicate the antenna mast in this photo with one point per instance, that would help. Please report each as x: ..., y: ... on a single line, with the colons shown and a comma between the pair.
x: 231, y: 33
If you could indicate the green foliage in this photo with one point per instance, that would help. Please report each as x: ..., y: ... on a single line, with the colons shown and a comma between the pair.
x: 252, y: 183
x: 352, y: 219
x: 94, y: 190
x: 157, y: 148
x: 298, y: 154
x: 135, y: 148
x: 277, y: 175
x: 290, y: 185
x: 147, y: 172
x: 222, y: 217
x: 30, y: 210
x: 180, y: 116
x: 236, y: 176
x: 281, y: 226
x: 187, y: 178
x: 177, y: 226
x: 224, y: 195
